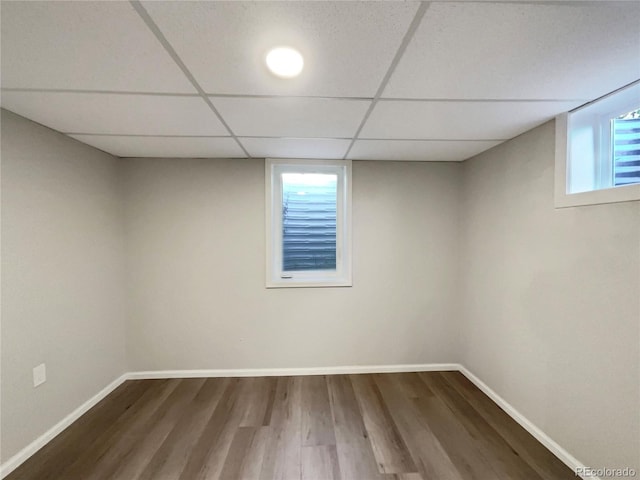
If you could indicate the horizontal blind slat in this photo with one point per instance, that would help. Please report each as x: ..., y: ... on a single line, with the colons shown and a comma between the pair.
x: 626, y: 151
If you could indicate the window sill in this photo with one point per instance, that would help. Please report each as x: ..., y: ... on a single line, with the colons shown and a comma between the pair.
x: 294, y: 284
x: 626, y: 193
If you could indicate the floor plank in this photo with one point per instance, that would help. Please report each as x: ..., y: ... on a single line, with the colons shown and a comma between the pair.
x: 504, y: 459
x: 317, y: 423
x: 461, y: 447
x: 389, y: 448
x: 355, y: 453
x: 320, y: 462
x: 261, y: 394
x: 170, y: 459
x: 406, y: 426
x: 137, y: 451
x: 246, y: 454
x: 282, y: 460
x: 210, y: 452
x: 519, y: 440
x: 426, y: 450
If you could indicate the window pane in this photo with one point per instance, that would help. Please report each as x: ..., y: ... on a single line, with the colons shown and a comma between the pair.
x: 626, y: 148
x: 309, y: 221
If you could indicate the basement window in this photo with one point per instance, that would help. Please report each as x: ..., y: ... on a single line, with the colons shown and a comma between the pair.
x: 308, y: 223
x: 598, y: 151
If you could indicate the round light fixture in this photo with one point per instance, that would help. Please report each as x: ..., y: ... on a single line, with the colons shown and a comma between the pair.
x: 285, y: 62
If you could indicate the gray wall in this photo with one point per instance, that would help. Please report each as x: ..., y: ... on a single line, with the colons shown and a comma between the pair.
x: 552, y: 301
x: 62, y: 277
x: 196, y: 262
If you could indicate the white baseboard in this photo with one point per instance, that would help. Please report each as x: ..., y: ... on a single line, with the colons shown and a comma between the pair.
x: 14, y: 462
x: 568, y: 459
x: 288, y: 372
x: 542, y: 437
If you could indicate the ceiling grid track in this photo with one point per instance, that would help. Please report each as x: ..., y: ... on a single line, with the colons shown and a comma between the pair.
x: 149, y: 135
x: 415, y: 23
x: 158, y: 135
x: 100, y: 92
x: 244, y: 95
x: 146, y: 18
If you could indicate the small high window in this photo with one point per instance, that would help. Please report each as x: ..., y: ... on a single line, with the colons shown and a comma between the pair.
x: 598, y: 150
x: 308, y: 223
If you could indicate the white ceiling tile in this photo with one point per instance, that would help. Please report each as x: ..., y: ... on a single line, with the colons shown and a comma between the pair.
x: 292, y: 117
x: 328, y: 148
x: 84, y: 45
x: 115, y: 113
x: 186, y: 147
x: 458, y: 120
x: 418, y: 150
x: 520, y: 51
x: 347, y: 46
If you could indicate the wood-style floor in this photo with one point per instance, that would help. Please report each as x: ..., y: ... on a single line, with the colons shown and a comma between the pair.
x: 406, y: 426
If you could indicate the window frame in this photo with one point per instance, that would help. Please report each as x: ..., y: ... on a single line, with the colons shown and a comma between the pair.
x: 605, y: 109
x: 342, y: 277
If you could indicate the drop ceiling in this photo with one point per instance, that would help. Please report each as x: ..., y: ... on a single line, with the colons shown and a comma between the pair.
x: 418, y: 81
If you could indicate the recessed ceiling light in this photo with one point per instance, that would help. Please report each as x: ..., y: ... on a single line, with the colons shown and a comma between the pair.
x: 285, y: 62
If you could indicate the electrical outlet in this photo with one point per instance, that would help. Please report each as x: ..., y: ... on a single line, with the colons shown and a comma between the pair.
x: 39, y: 375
